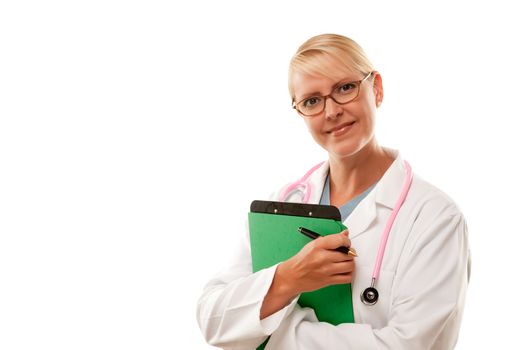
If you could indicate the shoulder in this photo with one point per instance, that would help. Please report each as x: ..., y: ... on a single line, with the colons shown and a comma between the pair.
x: 427, y: 196
x: 435, y: 227
x: 432, y: 211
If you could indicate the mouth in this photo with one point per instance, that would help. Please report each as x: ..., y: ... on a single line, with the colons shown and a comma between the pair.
x: 340, y: 129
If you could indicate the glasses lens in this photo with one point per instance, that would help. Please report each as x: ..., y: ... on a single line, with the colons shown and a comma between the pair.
x: 346, y: 92
x: 311, y: 105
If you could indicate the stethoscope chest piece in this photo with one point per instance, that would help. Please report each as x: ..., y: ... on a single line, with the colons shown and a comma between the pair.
x: 370, y: 296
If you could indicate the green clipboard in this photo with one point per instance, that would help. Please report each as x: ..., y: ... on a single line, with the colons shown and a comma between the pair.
x: 274, y: 238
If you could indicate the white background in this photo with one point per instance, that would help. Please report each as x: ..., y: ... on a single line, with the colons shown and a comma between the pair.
x: 134, y: 135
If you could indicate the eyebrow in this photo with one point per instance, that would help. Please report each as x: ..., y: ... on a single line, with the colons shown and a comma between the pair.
x: 317, y: 93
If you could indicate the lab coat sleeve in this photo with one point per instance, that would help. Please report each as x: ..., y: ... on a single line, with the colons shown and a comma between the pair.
x: 229, y: 308
x: 428, y: 297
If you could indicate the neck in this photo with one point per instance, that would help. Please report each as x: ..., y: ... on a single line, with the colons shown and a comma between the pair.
x: 352, y: 175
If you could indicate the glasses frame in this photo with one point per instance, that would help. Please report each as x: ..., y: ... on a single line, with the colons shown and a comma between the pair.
x: 357, y: 82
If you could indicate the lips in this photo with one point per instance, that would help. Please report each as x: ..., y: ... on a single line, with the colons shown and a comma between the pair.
x: 341, y: 129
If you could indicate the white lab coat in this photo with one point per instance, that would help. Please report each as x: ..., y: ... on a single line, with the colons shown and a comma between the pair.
x: 421, y: 285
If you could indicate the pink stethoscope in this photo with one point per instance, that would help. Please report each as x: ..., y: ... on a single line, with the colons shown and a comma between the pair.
x: 370, y: 295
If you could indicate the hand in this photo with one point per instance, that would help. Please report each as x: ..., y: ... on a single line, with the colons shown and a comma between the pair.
x: 317, y: 265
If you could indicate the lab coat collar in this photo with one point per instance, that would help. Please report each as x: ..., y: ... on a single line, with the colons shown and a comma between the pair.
x: 317, y: 180
x: 389, y: 186
x: 385, y: 193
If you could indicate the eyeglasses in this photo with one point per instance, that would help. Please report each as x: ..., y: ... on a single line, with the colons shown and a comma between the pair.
x: 342, y: 94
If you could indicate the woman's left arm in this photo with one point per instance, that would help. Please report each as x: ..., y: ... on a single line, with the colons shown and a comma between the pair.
x: 428, y: 298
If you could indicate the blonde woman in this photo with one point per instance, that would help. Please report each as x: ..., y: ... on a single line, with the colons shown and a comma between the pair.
x: 414, y: 298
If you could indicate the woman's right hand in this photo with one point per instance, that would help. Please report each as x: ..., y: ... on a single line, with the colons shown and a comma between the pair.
x: 317, y: 265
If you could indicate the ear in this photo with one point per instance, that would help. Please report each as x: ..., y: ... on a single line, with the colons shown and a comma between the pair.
x: 378, y: 88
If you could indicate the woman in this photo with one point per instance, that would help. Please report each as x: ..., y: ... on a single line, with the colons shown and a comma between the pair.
x: 424, y: 272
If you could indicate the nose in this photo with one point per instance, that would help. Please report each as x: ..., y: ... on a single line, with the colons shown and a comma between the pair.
x: 332, y: 109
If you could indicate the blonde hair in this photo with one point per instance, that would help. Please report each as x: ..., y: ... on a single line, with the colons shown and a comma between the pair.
x: 311, y: 57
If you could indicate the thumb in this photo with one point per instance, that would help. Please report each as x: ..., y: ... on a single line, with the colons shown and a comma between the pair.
x: 336, y: 240
x: 346, y: 237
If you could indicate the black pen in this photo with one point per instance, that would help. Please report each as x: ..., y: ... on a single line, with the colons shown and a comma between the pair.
x: 313, y: 235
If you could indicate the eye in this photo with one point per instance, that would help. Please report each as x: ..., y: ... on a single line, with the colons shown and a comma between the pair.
x: 346, y: 88
x: 311, y: 102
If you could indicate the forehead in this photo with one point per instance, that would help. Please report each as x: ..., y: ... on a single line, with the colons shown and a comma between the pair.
x: 305, y: 84
x: 318, y: 75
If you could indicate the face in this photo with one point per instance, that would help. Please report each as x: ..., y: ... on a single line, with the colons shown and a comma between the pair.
x: 342, y: 130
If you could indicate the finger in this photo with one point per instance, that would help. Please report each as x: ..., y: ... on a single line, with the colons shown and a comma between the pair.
x: 336, y: 256
x: 326, y: 257
x: 341, y: 268
x: 342, y: 278
x: 334, y: 241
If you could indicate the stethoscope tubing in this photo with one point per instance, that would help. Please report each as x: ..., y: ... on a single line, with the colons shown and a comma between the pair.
x: 391, y: 219
x: 302, y: 182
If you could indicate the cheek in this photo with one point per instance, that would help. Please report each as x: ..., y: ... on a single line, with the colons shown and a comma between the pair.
x: 366, y: 115
x: 314, y: 127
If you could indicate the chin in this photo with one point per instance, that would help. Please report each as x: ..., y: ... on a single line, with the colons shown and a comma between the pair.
x: 344, y: 150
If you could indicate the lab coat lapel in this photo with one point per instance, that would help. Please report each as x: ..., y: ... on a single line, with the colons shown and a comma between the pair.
x: 384, y: 193
x: 362, y: 216
x: 390, y: 185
